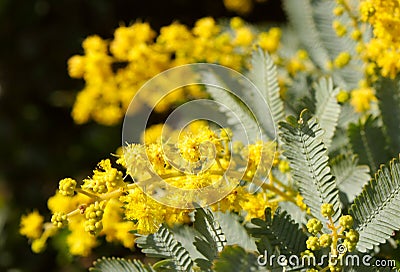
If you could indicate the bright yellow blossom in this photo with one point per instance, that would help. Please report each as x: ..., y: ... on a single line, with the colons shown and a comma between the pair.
x: 206, y: 28
x: 31, y: 225
x: 115, y: 228
x: 244, y: 36
x: 384, y: 16
x: 114, y: 70
x: 239, y: 6
x: 255, y: 205
x: 362, y: 98
x: 342, y: 59
x: 148, y: 213
x: 342, y: 96
x: 339, y: 28
x: 108, y: 206
x: 79, y: 241
x: 269, y: 41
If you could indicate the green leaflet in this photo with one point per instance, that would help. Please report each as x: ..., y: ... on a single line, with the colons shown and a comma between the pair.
x: 376, y: 210
x: 234, y: 231
x: 232, y: 103
x: 119, y: 265
x: 313, y: 20
x: 236, y: 259
x: 264, y: 75
x: 212, y: 239
x: 368, y: 142
x: 162, y: 244
x: 256, y: 111
x: 348, y: 76
x: 350, y: 177
x: 327, y: 108
x: 278, y: 231
x: 306, y: 152
x: 388, y: 94
x: 301, y: 18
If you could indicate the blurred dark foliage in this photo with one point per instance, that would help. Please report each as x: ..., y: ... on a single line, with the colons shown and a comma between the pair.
x: 39, y: 143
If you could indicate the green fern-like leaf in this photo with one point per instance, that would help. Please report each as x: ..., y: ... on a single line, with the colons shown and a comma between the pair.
x: 388, y: 94
x: 300, y: 14
x: 348, y: 76
x: 264, y: 75
x: 376, y: 210
x: 350, y: 177
x: 278, y: 232
x: 234, y: 231
x: 368, y: 142
x: 212, y: 239
x: 236, y: 259
x: 312, y: 20
x: 119, y: 265
x: 327, y: 108
x: 305, y: 150
x: 185, y: 235
x: 240, y: 104
x: 162, y: 244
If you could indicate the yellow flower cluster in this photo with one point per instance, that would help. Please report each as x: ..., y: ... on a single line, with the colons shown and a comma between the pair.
x: 241, y: 7
x: 114, y: 70
x: 383, y: 48
x: 299, y: 62
x: 362, y: 99
x: 32, y: 225
x: 343, y: 234
x: 112, y: 207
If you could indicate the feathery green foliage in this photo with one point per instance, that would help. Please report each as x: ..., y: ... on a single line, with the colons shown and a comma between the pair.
x: 327, y: 108
x: 313, y: 20
x: 388, y: 94
x: 231, y: 103
x: 212, y: 239
x: 119, y: 265
x: 350, y: 177
x: 236, y: 259
x: 235, y: 233
x: 376, y: 210
x: 306, y: 152
x: 278, y: 232
x: 300, y: 15
x: 162, y: 244
x: 368, y: 142
x: 264, y: 75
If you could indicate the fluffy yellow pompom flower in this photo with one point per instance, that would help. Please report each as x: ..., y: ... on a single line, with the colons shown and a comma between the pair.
x: 115, y: 70
x: 383, y: 47
x: 153, y: 134
x: 94, y: 44
x: 339, y: 28
x: 206, y: 27
x: 342, y: 59
x: 362, y: 98
x: 31, y: 225
x: 76, y: 66
x: 104, y: 179
x: 148, y: 213
x: 244, y: 36
x: 38, y: 245
x: 255, y: 205
x: 79, y: 241
x: 239, y: 6
x: 343, y: 96
x: 269, y: 41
